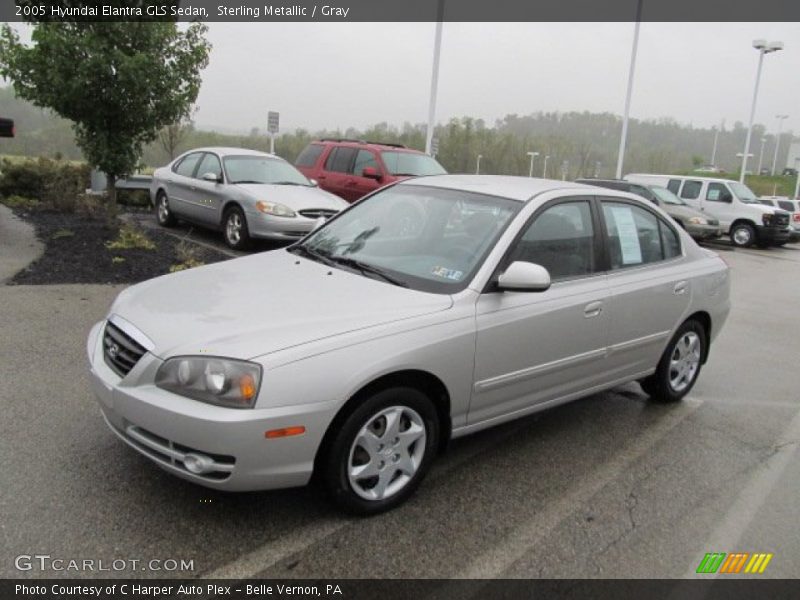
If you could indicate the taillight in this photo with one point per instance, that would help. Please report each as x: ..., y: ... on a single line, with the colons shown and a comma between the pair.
x: 796, y: 217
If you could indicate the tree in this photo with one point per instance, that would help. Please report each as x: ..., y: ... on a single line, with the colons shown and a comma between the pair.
x: 171, y: 136
x: 119, y: 83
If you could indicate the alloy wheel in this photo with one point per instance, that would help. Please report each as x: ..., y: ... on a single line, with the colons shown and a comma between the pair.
x: 685, y: 361
x: 233, y: 228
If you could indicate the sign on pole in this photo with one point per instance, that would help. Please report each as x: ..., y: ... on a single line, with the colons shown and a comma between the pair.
x: 434, y: 146
x: 273, y: 122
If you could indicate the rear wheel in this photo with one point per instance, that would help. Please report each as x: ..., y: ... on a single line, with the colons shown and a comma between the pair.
x: 163, y: 213
x: 743, y: 235
x: 382, y: 451
x: 680, y: 364
x: 237, y: 236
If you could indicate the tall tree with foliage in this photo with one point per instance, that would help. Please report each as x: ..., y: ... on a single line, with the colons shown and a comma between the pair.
x: 119, y: 83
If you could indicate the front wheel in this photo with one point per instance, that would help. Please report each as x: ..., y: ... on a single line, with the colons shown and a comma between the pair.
x: 382, y: 451
x: 679, y: 366
x: 237, y: 235
x: 743, y: 235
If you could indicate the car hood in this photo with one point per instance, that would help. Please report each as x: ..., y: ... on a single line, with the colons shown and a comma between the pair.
x: 687, y: 212
x: 296, y: 197
x: 260, y: 304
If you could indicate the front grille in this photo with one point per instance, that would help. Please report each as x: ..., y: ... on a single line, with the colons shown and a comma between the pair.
x: 316, y: 213
x: 782, y: 219
x: 166, y: 451
x: 121, y: 351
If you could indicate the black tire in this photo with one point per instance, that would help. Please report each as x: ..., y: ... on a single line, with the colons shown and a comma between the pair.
x: 164, y: 215
x: 234, y: 229
x: 335, y: 462
x: 662, y: 386
x: 743, y: 235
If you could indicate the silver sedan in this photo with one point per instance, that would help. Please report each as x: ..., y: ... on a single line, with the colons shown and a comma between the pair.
x: 246, y: 194
x: 432, y: 309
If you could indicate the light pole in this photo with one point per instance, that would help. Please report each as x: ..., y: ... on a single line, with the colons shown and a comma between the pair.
x: 564, y: 169
x: 544, y: 170
x: 797, y: 183
x: 763, y: 48
x: 478, y: 166
x: 532, y: 155
x: 714, y: 149
x: 624, y: 136
x: 437, y: 49
x: 777, y: 142
x: 761, y: 154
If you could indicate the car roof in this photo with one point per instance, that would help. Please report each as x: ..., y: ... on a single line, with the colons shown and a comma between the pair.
x: 513, y: 187
x: 367, y: 144
x: 230, y: 151
x: 693, y: 177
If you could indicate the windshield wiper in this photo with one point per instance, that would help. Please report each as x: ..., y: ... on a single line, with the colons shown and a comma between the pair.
x: 312, y: 254
x: 367, y: 268
x: 287, y: 183
x: 246, y: 181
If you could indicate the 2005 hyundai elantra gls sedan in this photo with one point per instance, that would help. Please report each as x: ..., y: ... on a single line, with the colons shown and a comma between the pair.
x: 431, y: 309
x: 245, y: 193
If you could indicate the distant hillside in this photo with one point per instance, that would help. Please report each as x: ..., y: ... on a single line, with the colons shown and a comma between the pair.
x: 586, y: 142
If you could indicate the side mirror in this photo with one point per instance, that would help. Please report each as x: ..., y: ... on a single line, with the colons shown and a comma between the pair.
x: 211, y: 177
x: 521, y: 276
x: 313, y: 182
x: 371, y: 173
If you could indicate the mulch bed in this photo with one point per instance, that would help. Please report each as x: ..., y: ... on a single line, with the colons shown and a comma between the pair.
x: 83, y: 257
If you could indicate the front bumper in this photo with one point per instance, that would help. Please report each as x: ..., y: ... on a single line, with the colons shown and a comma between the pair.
x: 703, y: 232
x: 279, y: 228
x: 772, y: 235
x: 166, y: 428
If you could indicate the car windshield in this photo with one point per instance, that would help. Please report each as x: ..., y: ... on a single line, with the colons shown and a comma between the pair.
x: 743, y: 192
x: 424, y: 238
x: 411, y: 163
x: 667, y: 197
x: 262, y: 169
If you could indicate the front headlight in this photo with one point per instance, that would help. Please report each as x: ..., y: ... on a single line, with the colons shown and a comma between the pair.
x: 275, y: 209
x: 698, y: 221
x: 220, y: 381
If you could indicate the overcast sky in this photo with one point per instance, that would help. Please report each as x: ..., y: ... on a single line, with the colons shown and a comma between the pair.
x: 322, y: 75
x: 337, y: 75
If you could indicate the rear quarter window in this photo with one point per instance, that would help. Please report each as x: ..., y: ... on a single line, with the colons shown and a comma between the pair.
x: 309, y: 156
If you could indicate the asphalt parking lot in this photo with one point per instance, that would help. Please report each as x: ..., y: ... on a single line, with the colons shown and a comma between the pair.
x: 609, y: 486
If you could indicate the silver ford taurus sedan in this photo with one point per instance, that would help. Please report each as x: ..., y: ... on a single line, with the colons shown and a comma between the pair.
x: 246, y: 194
x: 434, y: 308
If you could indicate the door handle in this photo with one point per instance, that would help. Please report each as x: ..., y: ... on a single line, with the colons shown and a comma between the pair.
x: 680, y: 287
x: 592, y: 309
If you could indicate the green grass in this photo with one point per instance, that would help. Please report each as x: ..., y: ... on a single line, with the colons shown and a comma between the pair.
x: 129, y: 238
x: 62, y: 233
x: 19, y: 202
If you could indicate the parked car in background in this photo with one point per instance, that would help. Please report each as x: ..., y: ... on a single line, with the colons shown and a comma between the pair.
x: 357, y: 353
x: 733, y: 204
x: 6, y: 127
x: 790, y: 206
x: 700, y: 226
x: 352, y: 169
x: 244, y: 193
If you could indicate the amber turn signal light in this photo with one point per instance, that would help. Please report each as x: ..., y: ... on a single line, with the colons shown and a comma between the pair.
x: 284, y: 432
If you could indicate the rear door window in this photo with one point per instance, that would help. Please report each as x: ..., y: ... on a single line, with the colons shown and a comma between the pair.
x: 691, y: 189
x: 188, y: 163
x: 674, y: 185
x: 340, y: 159
x: 636, y: 236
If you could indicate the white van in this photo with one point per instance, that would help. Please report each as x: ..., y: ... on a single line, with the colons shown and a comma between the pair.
x: 733, y: 204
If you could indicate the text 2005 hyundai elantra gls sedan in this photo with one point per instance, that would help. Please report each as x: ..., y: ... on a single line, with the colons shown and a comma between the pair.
x: 432, y: 309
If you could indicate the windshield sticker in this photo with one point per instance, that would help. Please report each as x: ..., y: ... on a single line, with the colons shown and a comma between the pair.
x: 628, y: 235
x: 451, y: 274
x: 713, y: 195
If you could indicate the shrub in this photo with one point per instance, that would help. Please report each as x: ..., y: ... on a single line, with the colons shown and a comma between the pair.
x: 188, y: 256
x: 55, y: 183
x: 129, y: 237
x: 20, y: 202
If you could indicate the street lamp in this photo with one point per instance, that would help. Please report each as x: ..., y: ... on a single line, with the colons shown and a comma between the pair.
x: 478, y: 166
x: 624, y: 135
x: 797, y: 183
x: 532, y: 155
x: 544, y: 170
x: 437, y: 50
x: 761, y: 154
x: 564, y: 169
x: 777, y: 141
x: 763, y: 48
